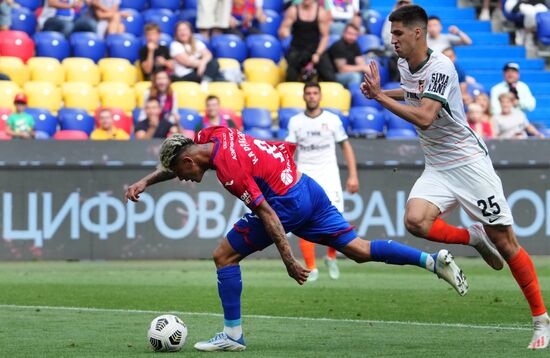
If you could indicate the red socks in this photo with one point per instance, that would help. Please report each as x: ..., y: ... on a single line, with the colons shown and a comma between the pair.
x: 524, y: 272
x: 308, y: 251
x: 448, y: 234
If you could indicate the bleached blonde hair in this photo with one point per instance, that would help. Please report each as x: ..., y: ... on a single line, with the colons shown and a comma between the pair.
x: 171, y: 148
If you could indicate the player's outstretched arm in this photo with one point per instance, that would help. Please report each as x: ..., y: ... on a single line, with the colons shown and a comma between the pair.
x: 133, y: 191
x: 277, y: 233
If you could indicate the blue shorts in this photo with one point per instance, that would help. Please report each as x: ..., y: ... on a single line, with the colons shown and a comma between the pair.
x: 305, y: 210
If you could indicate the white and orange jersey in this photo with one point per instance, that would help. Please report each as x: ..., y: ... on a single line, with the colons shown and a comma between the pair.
x: 448, y: 142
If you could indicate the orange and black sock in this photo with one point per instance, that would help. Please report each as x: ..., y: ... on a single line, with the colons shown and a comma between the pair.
x: 448, y: 234
x: 524, y: 272
x: 308, y: 251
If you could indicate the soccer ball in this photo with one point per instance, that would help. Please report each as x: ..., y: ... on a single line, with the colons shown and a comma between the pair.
x: 167, y: 333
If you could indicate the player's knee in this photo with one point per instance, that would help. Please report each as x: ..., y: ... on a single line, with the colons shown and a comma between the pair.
x: 415, y: 224
x: 220, y: 257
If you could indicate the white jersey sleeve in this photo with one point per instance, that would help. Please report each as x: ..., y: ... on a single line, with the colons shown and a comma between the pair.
x: 439, y: 79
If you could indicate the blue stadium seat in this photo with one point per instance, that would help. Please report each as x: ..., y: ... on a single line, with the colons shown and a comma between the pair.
x: 391, y: 85
x: 189, y: 118
x: 164, y: 40
x: 123, y: 46
x: 374, y: 22
x: 275, y: 5
x: 369, y: 42
x: 23, y: 19
x: 400, y: 133
x: 366, y: 121
x: 165, y: 18
x: 51, y: 44
x: 40, y: 135
x: 280, y: 133
x: 272, y: 23
x: 189, y: 15
x: 359, y: 100
x: 489, y: 38
x: 76, y: 119
x: 229, y: 46
x: 260, y: 133
x: 475, y: 89
x: 138, y: 5
x: 256, y: 118
x: 44, y: 121
x: 166, y: 4
x: 190, y: 4
x: 383, y: 69
x: 393, y: 121
x: 30, y: 4
x: 344, y: 119
x: 285, y: 43
x: 135, y: 114
x: 469, y: 25
x: 332, y: 38
x: 203, y: 39
x: 490, y: 78
x: 134, y: 23
x: 264, y: 46
x: 478, y: 64
x: 543, y: 27
x: 285, y: 114
x: 87, y: 44
x: 489, y: 51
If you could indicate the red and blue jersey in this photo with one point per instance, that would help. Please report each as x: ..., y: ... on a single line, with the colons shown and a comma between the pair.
x: 251, y: 169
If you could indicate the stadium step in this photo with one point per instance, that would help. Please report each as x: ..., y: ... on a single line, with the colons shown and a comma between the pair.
x: 491, y: 78
x: 483, y: 64
x: 490, y: 51
x: 447, y: 13
x: 489, y: 38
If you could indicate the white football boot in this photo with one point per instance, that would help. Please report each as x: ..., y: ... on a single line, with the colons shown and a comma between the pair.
x: 313, y: 275
x: 541, y: 332
x: 221, y: 342
x: 447, y: 269
x: 333, y: 270
x: 481, y: 242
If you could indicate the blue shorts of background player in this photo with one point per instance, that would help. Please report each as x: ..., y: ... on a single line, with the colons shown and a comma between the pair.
x: 304, y: 210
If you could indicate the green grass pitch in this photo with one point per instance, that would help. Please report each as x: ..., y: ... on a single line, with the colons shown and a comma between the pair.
x: 374, y: 310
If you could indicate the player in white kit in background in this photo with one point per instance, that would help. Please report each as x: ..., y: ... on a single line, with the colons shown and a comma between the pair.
x: 459, y: 171
x: 316, y: 132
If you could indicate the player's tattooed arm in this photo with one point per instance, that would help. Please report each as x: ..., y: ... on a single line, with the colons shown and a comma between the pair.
x: 277, y: 233
x: 159, y: 175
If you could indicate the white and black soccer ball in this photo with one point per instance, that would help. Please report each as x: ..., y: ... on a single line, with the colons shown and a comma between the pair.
x: 167, y: 333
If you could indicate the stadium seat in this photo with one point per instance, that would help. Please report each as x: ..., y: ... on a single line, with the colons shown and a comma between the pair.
x: 369, y: 42
x: 256, y: 118
x: 291, y: 94
x: 272, y: 23
x: 123, y: 46
x: 88, y: 45
x: 285, y: 114
x: 165, y: 18
x: 226, y: 63
x: 70, y: 135
x: 400, y: 133
x: 374, y: 22
x: 189, y: 119
x: 343, y: 118
x: 166, y: 4
x: 117, y: 95
x: 4, y: 114
x: 23, y: 19
x: 40, y: 135
x: 334, y: 95
x: 230, y: 95
x: 8, y: 90
x: 138, y: 5
x: 81, y: 70
x: 164, y: 40
x: 120, y: 119
x: 204, y: 40
x: 30, y: 4
x: 189, y: 15
x: 43, y: 95
x: 261, y: 95
x: 264, y: 46
x: 366, y: 121
x: 285, y: 43
x: 16, y: 44
x: 229, y: 114
x: 228, y: 46
x: 261, y: 70
x: 543, y: 27
x: 475, y: 89
x: 190, y: 95
x: 393, y: 121
x: 46, y: 69
x: 75, y: 119
x: 391, y: 85
x: 80, y: 95
x: 4, y: 136
x: 190, y: 4
x: 281, y: 134
x: 15, y: 69
x: 359, y: 100
x: 51, y: 44
x: 44, y: 121
x: 134, y: 22
x: 140, y: 88
x: 117, y: 70
x: 275, y: 5
x: 260, y: 133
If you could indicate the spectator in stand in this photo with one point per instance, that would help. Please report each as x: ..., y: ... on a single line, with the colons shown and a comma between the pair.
x: 5, y: 14
x: 161, y: 91
x: 475, y: 119
x: 485, y: 11
x: 192, y: 59
x: 483, y: 100
x: 438, y: 41
x: 213, y: 116
x: 512, y: 123
x: 512, y: 84
x: 107, y: 130
x: 386, y: 28
x: 104, y: 17
x: 347, y: 59
x: 20, y: 124
x: 344, y: 12
x: 450, y: 53
x: 309, y: 24
x: 58, y: 15
x: 243, y: 14
x: 154, y: 126
x: 154, y: 57
x: 529, y: 9
x: 213, y: 16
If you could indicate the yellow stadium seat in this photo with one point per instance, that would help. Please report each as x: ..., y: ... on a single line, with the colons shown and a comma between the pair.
x: 15, y: 69
x: 334, y: 95
x: 283, y: 65
x: 140, y: 76
x: 261, y: 95
x: 117, y: 95
x: 189, y: 95
x: 46, y: 69
x: 78, y: 69
x: 231, y: 97
x: 117, y: 70
x: 80, y: 95
x: 261, y: 70
x: 291, y: 94
x: 43, y: 95
x: 228, y: 63
x: 8, y: 90
x: 141, y: 88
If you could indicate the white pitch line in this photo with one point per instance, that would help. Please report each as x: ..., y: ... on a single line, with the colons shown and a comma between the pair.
x: 313, y: 319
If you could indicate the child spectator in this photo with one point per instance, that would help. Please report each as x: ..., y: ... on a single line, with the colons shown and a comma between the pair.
x: 106, y: 128
x: 154, y: 57
x: 20, y: 124
x: 475, y: 120
x: 512, y: 123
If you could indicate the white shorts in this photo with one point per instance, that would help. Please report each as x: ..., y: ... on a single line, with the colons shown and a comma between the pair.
x: 475, y: 187
x: 213, y: 14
